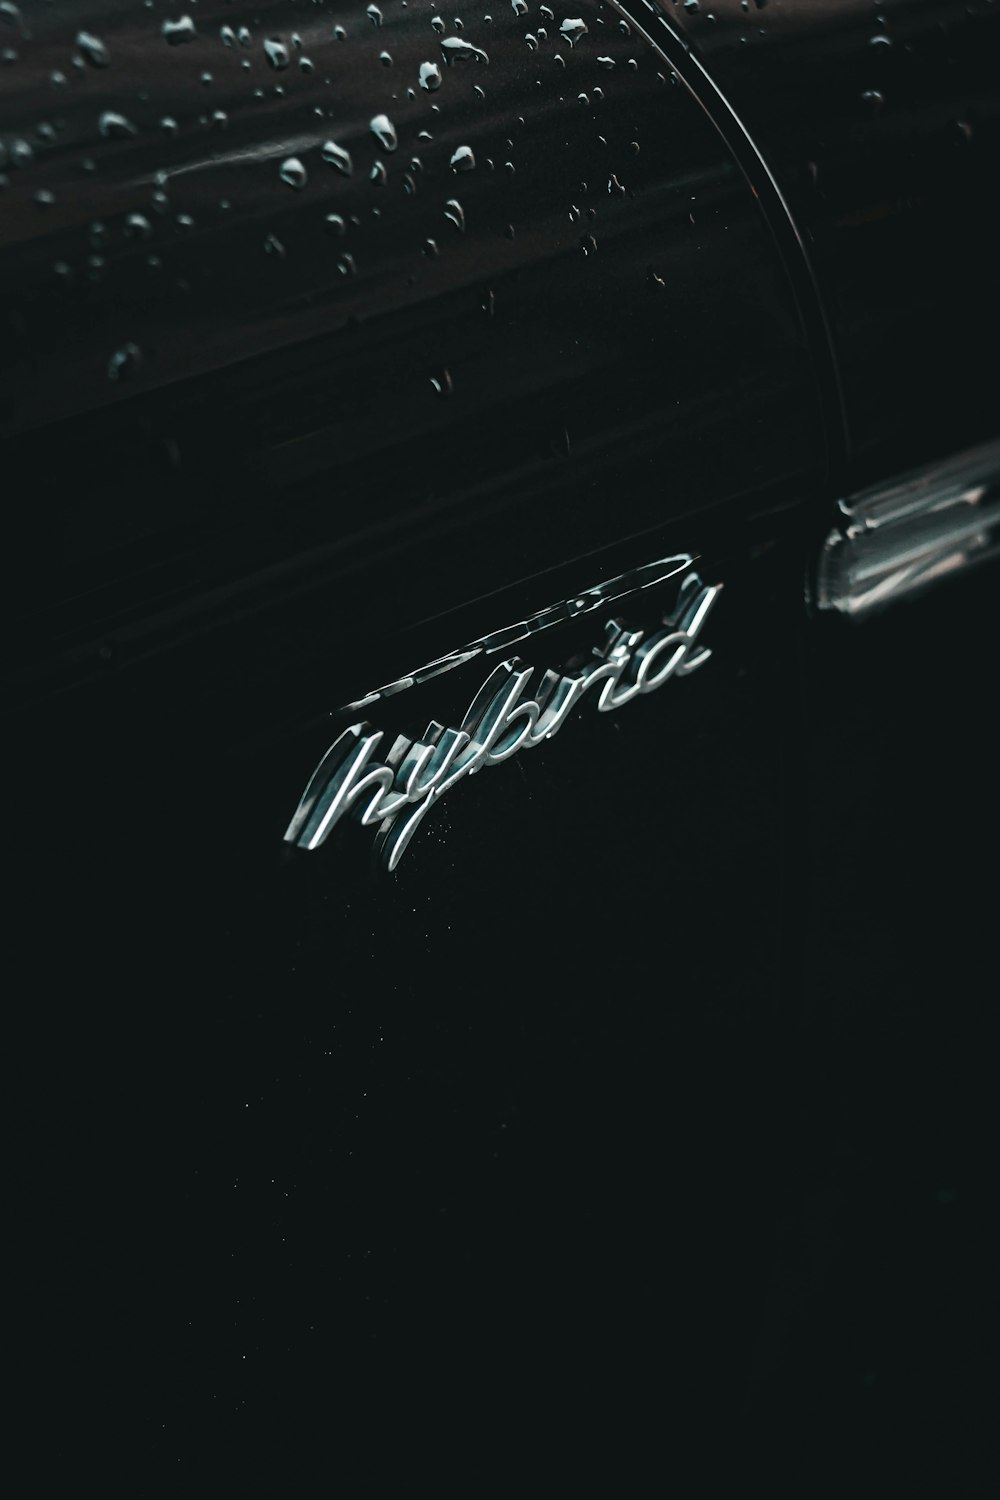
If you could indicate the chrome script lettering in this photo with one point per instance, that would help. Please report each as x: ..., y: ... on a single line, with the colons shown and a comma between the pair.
x: 508, y: 714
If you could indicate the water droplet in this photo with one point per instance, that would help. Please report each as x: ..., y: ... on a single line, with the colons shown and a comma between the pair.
x: 338, y: 157
x: 572, y: 29
x: 385, y: 58
x: 874, y: 99
x: 138, y: 227
x: 243, y: 36
x: 339, y: 34
x: 277, y: 53
x: 430, y: 248
x: 457, y: 50
x: 614, y: 186
x: 273, y: 246
x: 479, y: 93
x: 228, y: 36
x: 624, y: 28
x: 294, y: 173
x: 93, y: 49
x: 124, y: 362
x: 463, y: 160
x: 114, y: 126
x: 176, y: 32
x: 384, y: 132
x: 336, y: 224
x: 374, y: 15
x: 442, y: 384
x: 880, y: 41
x: 532, y: 41
x: 438, y: 25
x: 588, y: 244
x: 378, y: 174
x: 57, y: 79
x: 206, y: 79
x: 346, y: 265
x: 454, y: 213
x: 184, y: 221
x: 543, y: 10
x: 430, y: 76
x: 45, y: 198
x: 607, y: 63
x: 519, y: 7
x: 169, y: 124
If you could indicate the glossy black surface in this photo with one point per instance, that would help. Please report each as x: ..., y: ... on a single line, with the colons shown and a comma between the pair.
x: 647, y: 1110
x: 280, y: 432
x: 611, y: 320
x: 881, y: 124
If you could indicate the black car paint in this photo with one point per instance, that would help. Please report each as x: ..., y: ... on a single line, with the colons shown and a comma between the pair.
x: 654, y: 1088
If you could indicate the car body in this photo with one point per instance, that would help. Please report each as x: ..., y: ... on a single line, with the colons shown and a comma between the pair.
x: 651, y: 1085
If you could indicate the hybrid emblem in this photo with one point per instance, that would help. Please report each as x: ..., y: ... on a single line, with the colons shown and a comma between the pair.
x: 392, y: 786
